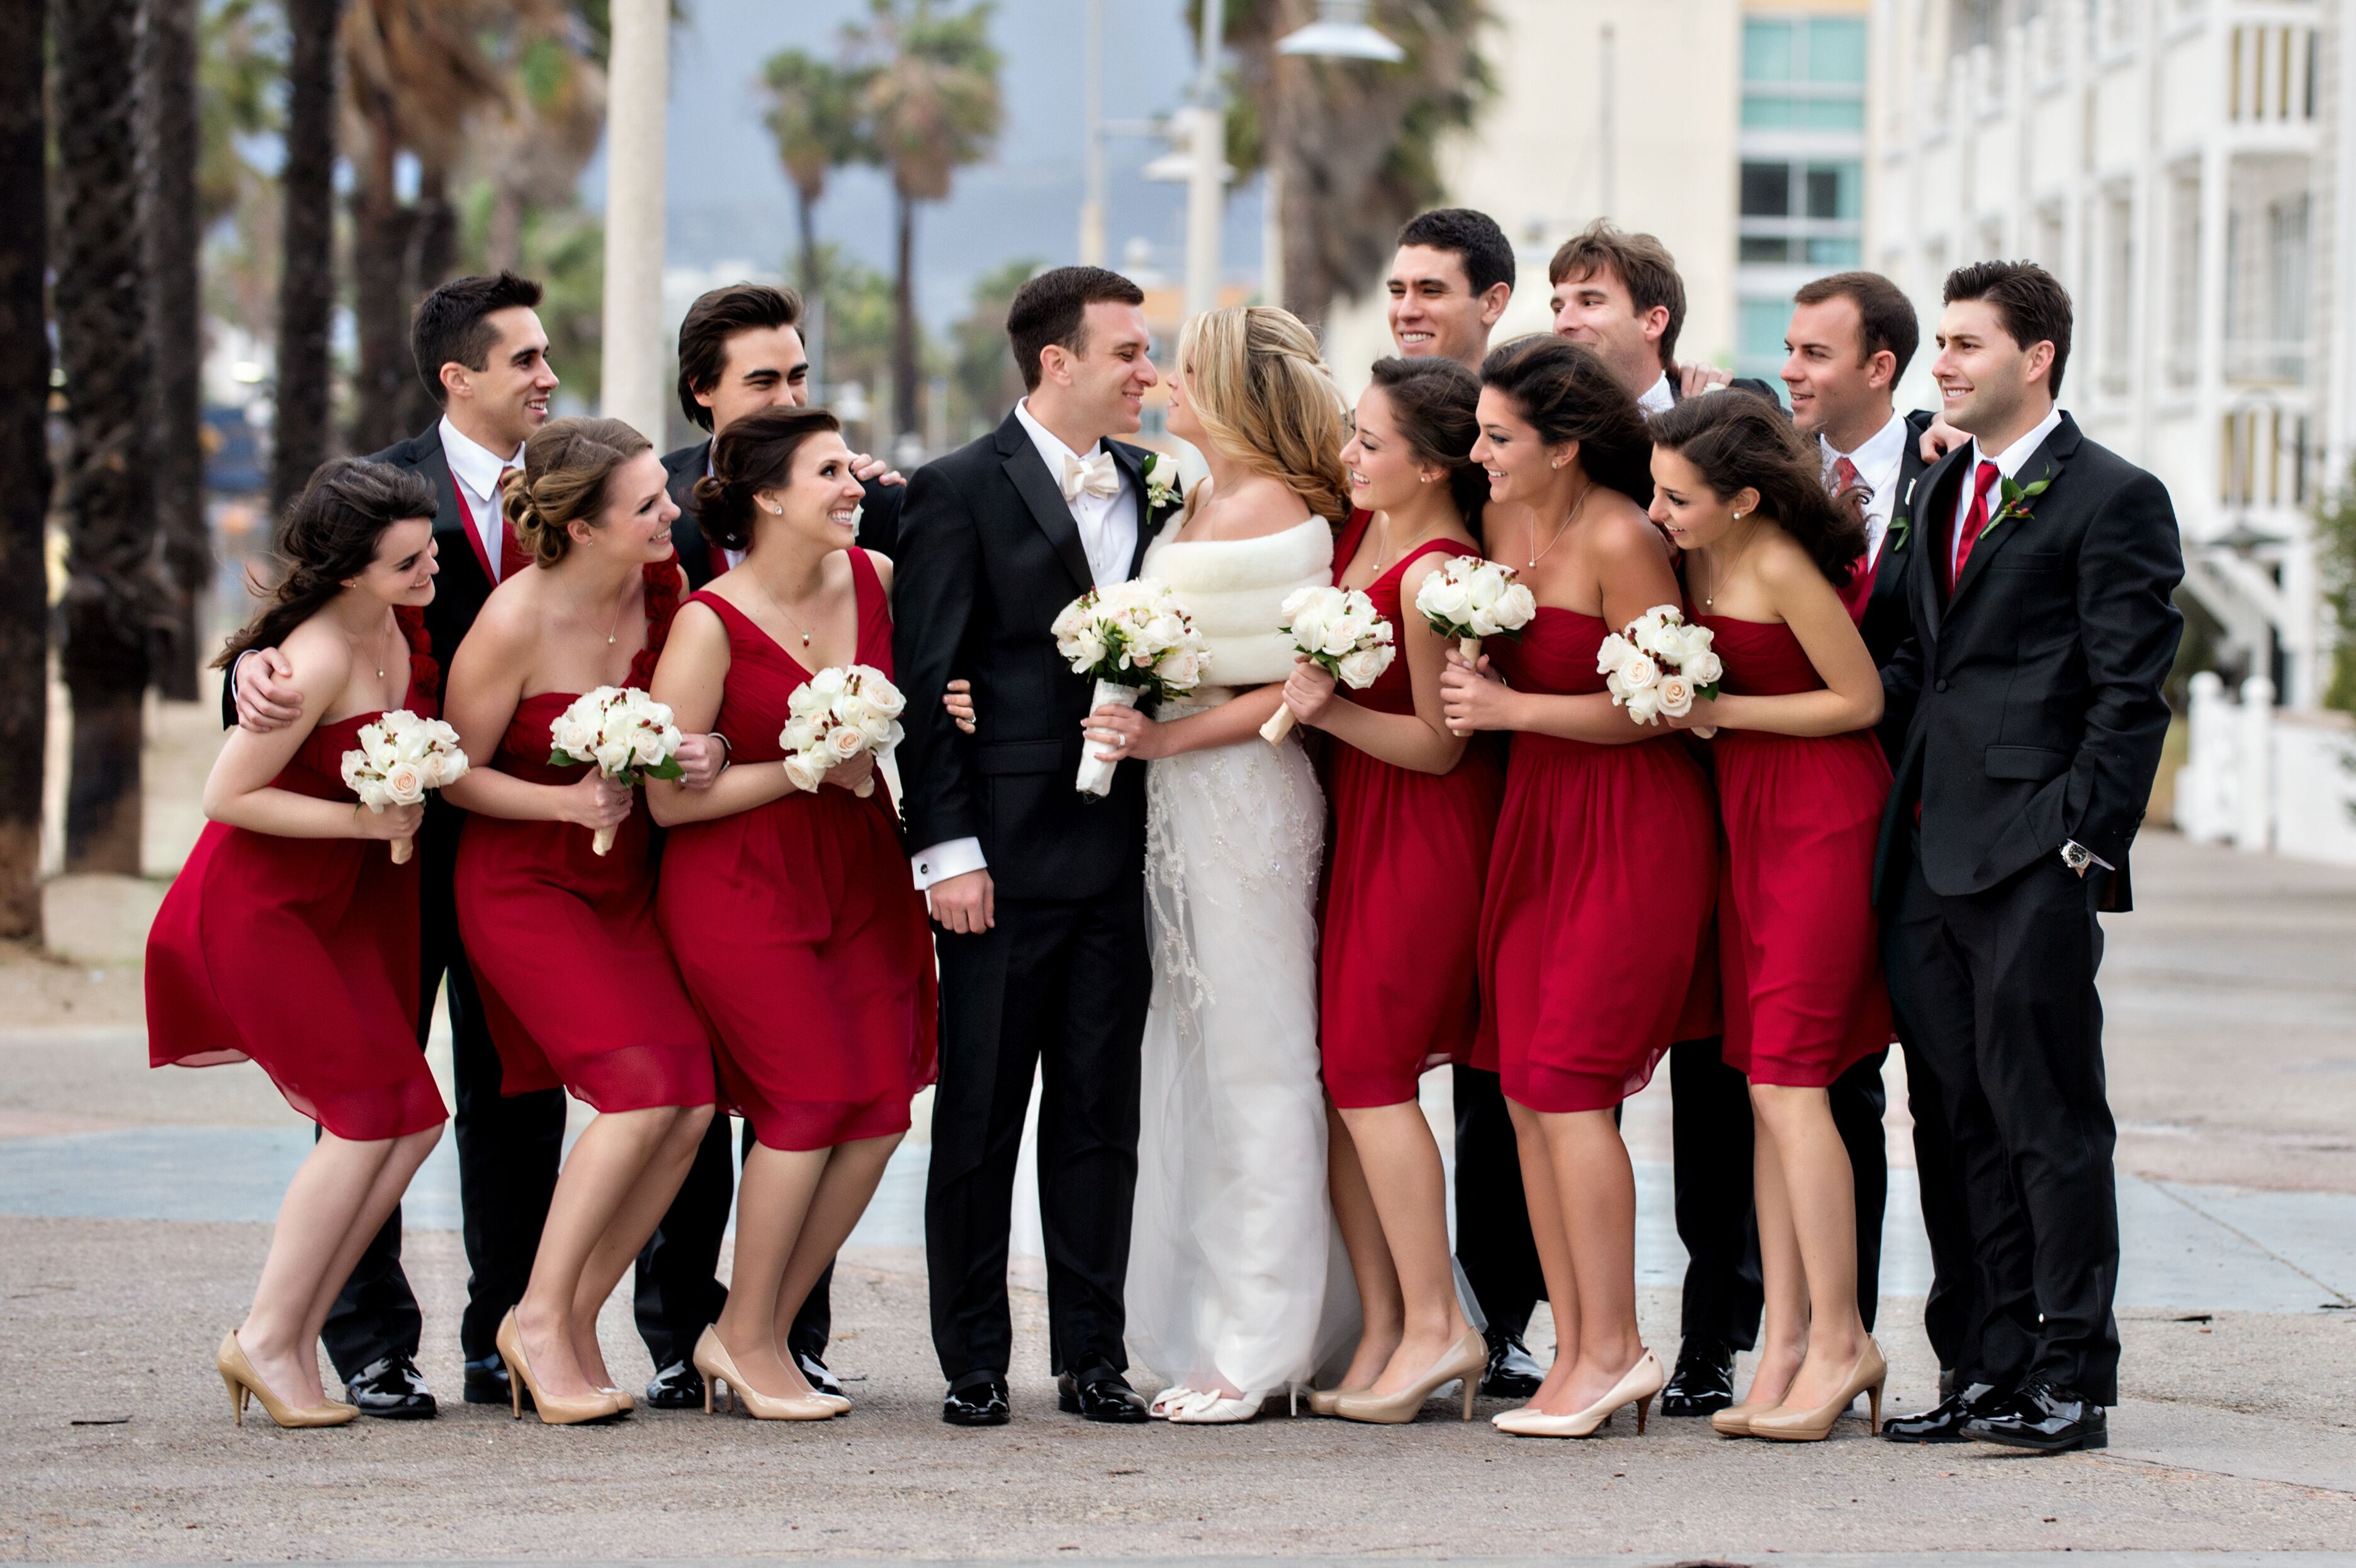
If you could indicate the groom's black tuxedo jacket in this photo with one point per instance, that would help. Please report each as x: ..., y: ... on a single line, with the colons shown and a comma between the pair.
x: 879, y: 513
x: 988, y: 556
x: 2031, y: 695
x: 1890, y: 610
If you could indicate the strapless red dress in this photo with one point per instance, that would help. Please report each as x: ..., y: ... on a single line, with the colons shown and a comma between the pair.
x: 1398, y: 990
x: 578, y: 985
x: 1799, y: 948
x: 1597, y: 914
x: 798, y: 925
x: 302, y: 955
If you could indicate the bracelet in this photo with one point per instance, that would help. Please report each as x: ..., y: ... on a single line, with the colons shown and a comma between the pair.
x: 727, y: 752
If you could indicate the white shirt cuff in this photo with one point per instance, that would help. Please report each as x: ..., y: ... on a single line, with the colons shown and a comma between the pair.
x: 943, y: 861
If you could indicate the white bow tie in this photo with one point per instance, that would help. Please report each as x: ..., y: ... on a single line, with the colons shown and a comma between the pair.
x: 1095, y: 475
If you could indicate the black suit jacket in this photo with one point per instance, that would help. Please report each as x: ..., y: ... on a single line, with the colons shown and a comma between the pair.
x: 1889, y: 612
x: 879, y: 516
x: 988, y: 556
x: 2031, y: 694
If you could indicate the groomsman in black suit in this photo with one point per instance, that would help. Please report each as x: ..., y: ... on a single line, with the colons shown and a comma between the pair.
x: 740, y: 350
x: 2043, y: 625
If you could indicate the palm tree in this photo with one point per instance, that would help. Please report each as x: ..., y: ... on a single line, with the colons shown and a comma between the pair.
x: 531, y: 152
x: 113, y: 599
x: 167, y: 85
x: 307, y: 283
x: 815, y: 115
x: 933, y: 107
x: 24, y: 459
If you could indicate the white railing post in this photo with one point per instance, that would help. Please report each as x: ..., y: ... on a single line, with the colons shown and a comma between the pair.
x: 2254, y: 792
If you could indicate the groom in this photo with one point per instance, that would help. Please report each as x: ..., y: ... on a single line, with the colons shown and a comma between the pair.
x: 1037, y: 894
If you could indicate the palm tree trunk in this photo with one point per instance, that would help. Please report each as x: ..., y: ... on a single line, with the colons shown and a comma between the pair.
x: 168, y: 83
x: 380, y: 230
x: 503, y: 235
x: 112, y: 593
x: 308, y: 281
x: 432, y: 257
x: 24, y: 459
x: 904, y: 322
x: 813, y: 289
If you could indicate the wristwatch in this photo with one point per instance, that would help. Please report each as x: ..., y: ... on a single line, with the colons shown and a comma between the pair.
x: 2077, y: 856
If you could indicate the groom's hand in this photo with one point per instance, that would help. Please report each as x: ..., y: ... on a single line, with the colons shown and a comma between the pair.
x: 964, y: 905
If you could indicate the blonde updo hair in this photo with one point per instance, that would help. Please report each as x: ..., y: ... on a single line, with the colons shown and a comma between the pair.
x: 1267, y: 400
x: 568, y: 465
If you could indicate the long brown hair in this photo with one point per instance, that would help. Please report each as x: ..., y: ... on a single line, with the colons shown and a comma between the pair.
x: 1566, y: 393
x: 568, y: 466
x: 1739, y: 439
x: 755, y: 454
x: 1437, y: 403
x: 331, y: 534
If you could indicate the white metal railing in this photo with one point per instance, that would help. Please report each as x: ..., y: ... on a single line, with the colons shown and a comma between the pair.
x: 2260, y: 778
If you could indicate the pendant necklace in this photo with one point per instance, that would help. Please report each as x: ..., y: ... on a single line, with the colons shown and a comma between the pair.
x: 789, y: 615
x: 1575, y: 508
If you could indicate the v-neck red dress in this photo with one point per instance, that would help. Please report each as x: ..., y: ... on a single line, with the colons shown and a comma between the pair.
x: 1404, y: 864
x: 577, y: 984
x: 797, y: 924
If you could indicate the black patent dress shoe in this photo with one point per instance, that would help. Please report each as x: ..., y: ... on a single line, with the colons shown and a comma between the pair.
x: 1949, y: 1382
x: 2045, y: 1418
x: 1945, y: 1422
x: 1514, y: 1373
x: 677, y: 1387
x: 815, y: 1374
x: 487, y: 1382
x: 1703, y: 1383
x: 391, y: 1390
x: 981, y: 1403
x: 1100, y: 1394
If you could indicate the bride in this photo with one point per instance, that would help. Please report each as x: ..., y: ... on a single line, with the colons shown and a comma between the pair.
x: 1236, y: 1288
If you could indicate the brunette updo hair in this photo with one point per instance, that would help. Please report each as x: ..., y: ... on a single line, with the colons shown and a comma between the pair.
x: 1739, y: 439
x: 1438, y: 404
x: 755, y: 454
x: 330, y: 533
x: 1566, y: 392
x: 568, y: 466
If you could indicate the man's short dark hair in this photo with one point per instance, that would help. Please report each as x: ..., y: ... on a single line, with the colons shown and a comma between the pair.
x: 1474, y: 237
x: 2029, y: 301
x: 715, y: 318
x: 1640, y: 263
x: 1885, y: 314
x: 1053, y: 309
x: 451, y: 324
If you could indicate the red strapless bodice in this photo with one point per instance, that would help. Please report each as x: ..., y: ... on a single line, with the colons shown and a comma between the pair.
x: 1763, y: 659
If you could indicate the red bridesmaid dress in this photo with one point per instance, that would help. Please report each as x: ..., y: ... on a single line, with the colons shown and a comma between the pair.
x: 1597, y: 915
x: 577, y: 986
x: 1799, y: 948
x: 302, y: 954
x: 1404, y: 864
x: 798, y: 925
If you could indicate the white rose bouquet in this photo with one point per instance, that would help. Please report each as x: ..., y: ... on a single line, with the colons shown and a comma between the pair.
x: 1339, y: 629
x: 1468, y: 598
x: 1133, y: 638
x: 1658, y: 665
x: 400, y: 756
x: 624, y: 734
x: 837, y: 714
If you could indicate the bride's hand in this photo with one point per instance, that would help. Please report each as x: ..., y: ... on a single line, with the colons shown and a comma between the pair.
x: 1309, y: 690
x: 1124, y: 732
x: 1472, y: 699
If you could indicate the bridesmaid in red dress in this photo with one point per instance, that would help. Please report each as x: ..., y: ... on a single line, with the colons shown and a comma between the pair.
x: 791, y: 912
x: 1801, y: 782
x: 1605, y: 862
x: 1415, y: 808
x: 576, y: 981
x: 290, y: 937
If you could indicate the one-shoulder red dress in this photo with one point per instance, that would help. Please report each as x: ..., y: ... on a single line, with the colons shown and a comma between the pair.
x: 1404, y: 866
x: 578, y: 985
x: 302, y: 955
x: 1799, y: 948
x: 797, y: 924
x: 1598, y: 910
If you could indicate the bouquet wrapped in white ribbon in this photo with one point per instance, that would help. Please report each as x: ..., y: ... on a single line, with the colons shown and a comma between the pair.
x: 842, y: 711
x: 1133, y: 638
x: 1340, y: 630
x: 1658, y: 665
x: 624, y: 734
x: 400, y: 756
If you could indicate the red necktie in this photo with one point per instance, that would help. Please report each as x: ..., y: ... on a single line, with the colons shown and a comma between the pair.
x: 1843, y: 475
x: 513, y: 556
x: 1976, y: 521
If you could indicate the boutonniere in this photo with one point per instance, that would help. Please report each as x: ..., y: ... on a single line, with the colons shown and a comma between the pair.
x: 2016, y: 499
x: 1161, y: 490
x: 1899, y: 528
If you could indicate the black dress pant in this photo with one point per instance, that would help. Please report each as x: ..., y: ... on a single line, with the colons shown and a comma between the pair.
x: 677, y: 1295
x: 1997, y: 994
x: 1492, y: 1215
x: 509, y: 1149
x: 1947, y: 1312
x: 1059, y: 986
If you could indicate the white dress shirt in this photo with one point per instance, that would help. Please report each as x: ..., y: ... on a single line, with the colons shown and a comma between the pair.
x: 1878, y: 462
x: 1658, y: 398
x: 476, y: 470
x: 1108, y: 526
x: 2009, y: 463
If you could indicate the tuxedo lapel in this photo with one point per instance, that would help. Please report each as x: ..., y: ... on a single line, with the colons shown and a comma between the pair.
x: 2046, y: 463
x: 1039, y: 492
x: 1931, y: 531
x: 1129, y: 461
x: 454, y: 539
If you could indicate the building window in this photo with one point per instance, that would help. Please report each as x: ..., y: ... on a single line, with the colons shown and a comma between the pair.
x: 1802, y: 213
x: 1759, y: 339
x: 2184, y: 278
x: 1804, y: 73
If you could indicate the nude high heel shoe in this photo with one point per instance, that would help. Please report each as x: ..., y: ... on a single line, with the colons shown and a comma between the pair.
x: 1328, y: 1402
x: 555, y: 1409
x: 241, y: 1380
x: 1465, y: 1361
x: 1734, y: 1421
x: 1785, y: 1424
x: 722, y: 1379
x: 1636, y: 1386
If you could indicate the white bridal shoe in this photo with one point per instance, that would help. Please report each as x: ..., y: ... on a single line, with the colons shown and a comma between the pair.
x: 1176, y: 1394
x: 1211, y: 1410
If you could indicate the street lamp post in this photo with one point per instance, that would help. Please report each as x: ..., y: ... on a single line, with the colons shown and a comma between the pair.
x: 638, y: 85
x: 1206, y: 123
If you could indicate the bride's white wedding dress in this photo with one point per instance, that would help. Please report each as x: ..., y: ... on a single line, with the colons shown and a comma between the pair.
x: 1236, y: 1277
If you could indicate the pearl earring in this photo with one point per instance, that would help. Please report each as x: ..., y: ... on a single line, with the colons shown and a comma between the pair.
x: 777, y: 511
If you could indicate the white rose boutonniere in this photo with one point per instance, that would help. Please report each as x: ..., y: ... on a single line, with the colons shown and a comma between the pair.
x: 1162, y: 487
